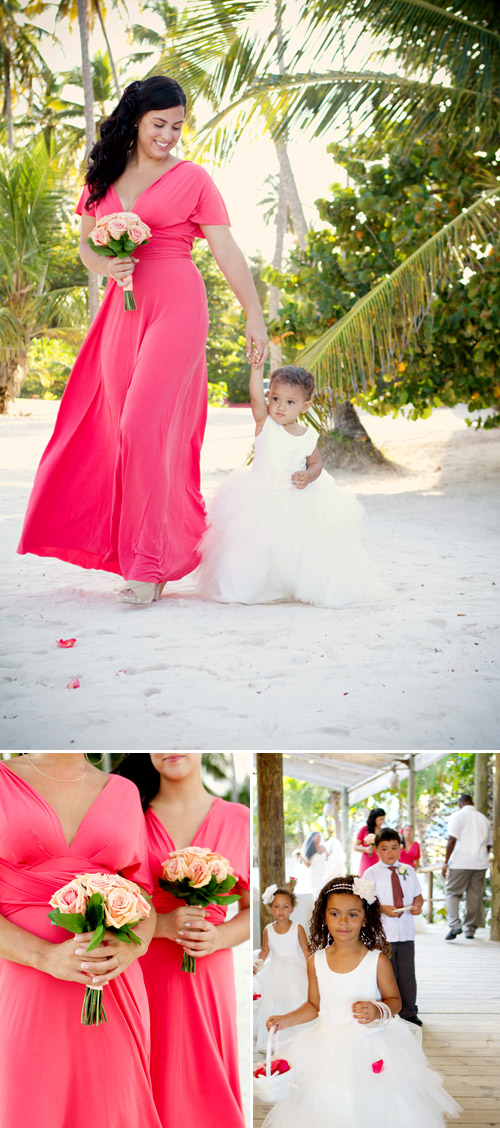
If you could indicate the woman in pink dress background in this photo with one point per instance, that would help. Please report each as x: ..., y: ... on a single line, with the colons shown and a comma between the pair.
x: 118, y: 487
x: 60, y: 816
x: 366, y: 836
x: 194, y: 1063
x: 410, y: 851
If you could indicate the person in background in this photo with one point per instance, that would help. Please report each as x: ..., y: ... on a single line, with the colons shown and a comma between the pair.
x: 400, y: 896
x: 465, y: 864
x: 410, y: 851
x: 365, y: 839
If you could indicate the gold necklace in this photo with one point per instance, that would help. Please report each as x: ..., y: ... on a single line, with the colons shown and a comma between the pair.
x: 59, y: 779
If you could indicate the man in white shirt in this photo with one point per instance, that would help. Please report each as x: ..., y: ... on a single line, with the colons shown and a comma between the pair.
x: 465, y: 864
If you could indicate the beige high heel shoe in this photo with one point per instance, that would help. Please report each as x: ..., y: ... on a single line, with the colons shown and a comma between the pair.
x: 140, y: 592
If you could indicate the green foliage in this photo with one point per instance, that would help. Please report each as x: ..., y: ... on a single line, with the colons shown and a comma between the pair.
x: 226, y: 360
x: 303, y: 804
x: 49, y: 364
x: 389, y: 211
x: 215, y: 893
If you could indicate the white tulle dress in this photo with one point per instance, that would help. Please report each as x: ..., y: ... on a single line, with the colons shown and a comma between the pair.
x: 282, y: 981
x: 268, y: 541
x: 334, y: 1081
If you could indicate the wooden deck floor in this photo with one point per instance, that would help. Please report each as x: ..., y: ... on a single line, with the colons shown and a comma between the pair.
x: 459, y: 1004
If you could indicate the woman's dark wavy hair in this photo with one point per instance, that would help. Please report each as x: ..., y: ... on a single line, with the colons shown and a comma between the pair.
x: 310, y: 847
x: 117, y: 133
x: 372, y: 931
x: 139, y: 768
x: 372, y: 816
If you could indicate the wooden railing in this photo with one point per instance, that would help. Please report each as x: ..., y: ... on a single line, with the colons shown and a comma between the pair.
x: 431, y: 899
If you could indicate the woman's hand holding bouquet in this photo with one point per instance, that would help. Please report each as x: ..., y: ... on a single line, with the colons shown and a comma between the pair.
x: 118, y: 234
x: 198, y: 877
x: 106, y: 906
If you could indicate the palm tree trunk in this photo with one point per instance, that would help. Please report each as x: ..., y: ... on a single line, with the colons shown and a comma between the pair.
x: 274, y: 292
x: 88, y: 96
x: 292, y: 195
x: 108, y: 48
x: 8, y: 102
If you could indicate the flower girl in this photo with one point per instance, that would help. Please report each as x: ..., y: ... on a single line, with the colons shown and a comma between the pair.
x: 281, y: 971
x: 282, y: 529
x: 361, y: 1065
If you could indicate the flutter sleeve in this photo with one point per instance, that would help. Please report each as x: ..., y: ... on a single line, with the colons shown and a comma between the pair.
x: 80, y: 207
x: 209, y: 207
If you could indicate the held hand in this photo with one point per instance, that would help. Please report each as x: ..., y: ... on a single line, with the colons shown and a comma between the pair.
x: 121, y: 270
x: 392, y: 911
x: 199, y: 938
x: 185, y: 917
x: 369, y: 850
x: 416, y: 909
x: 365, y: 1012
x: 278, y: 1021
x: 444, y: 870
x: 300, y: 479
x: 108, y: 960
x: 257, y: 347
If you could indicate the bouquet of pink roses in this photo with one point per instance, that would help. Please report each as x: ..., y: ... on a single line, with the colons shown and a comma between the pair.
x: 198, y: 877
x: 95, y: 903
x: 119, y: 234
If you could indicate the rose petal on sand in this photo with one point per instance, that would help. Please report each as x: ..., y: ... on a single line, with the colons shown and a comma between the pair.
x: 66, y: 642
x: 378, y: 1066
x: 73, y: 684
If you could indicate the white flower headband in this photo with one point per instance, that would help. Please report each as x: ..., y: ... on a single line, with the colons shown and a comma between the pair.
x: 268, y: 894
x: 361, y: 886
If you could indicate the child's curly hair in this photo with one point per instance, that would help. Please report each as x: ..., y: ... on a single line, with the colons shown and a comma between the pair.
x: 372, y: 931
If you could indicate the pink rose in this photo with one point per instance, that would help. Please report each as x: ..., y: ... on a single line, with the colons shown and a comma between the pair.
x: 138, y: 233
x: 117, y: 227
x: 100, y: 883
x: 70, y: 898
x: 174, y: 869
x: 219, y: 868
x: 198, y: 873
x: 121, y: 907
x: 100, y: 236
x: 191, y: 854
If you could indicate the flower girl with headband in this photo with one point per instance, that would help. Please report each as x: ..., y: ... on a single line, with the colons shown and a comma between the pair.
x: 281, y: 529
x: 361, y: 1065
x: 281, y: 970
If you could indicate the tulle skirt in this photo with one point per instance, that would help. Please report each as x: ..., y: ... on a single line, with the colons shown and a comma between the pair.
x: 283, y: 987
x: 335, y: 1084
x: 269, y: 541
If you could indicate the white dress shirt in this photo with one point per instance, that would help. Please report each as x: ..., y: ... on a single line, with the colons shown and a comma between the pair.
x: 401, y: 928
x: 472, y: 831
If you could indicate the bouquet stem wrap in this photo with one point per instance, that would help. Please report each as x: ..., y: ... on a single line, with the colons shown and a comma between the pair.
x: 198, y: 877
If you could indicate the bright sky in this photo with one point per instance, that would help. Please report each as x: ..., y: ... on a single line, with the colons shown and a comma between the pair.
x: 241, y: 180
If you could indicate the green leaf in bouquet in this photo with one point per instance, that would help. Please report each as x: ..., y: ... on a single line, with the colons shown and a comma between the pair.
x: 128, y: 245
x: 97, y: 938
x: 95, y: 910
x: 227, y: 884
x: 116, y: 245
x: 125, y: 933
x: 98, y: 250
x: 226, y: 899
x: 72, y: 922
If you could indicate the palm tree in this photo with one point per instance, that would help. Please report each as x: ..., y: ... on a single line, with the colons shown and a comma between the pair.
x: 33, y: 204
x: 20, y: 58
x: 73, y: 9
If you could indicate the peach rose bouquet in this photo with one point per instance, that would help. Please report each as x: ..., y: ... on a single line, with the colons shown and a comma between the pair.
x: 95, y: 903
x: 119, y: 234
x: 198, y: 877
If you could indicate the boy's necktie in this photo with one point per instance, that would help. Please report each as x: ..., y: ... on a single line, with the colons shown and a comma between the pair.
x: 397, y: 891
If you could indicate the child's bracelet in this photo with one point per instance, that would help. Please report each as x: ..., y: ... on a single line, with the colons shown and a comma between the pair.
x: 385, y: 1014
x: 258, y: 963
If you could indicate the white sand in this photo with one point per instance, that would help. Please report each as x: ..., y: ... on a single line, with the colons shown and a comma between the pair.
x: 417, y: 672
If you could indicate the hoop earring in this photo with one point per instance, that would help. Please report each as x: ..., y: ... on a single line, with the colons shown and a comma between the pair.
x: 95, y: 763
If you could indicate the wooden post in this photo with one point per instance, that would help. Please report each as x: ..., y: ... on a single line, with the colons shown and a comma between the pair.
x: 429, y: 896
x: 411, y: 791
x: 346, y: 834
x: 481, y: 782
x: 271, y: 826
x: 495, y: 866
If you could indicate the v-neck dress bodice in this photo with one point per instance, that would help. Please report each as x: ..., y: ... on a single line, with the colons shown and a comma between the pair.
x: 118, y: 487
x: 194, y: 1064
x: 41, y: 1036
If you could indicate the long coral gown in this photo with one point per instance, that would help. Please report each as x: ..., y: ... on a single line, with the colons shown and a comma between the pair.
x: 194, y: 1061
x: 118, y: 486
x: 53, y: 1070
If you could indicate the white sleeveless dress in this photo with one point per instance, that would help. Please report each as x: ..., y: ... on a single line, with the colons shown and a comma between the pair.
x: 268, y: 541
x: 334, y: 1081
x: 282, y: 981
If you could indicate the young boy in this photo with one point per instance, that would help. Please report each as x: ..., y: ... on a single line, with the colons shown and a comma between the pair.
x: 397, y: 887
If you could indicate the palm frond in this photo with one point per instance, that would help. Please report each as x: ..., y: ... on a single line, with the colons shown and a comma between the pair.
x: 373, y: 336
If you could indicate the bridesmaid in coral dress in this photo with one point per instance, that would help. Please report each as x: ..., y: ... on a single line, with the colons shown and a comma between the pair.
x: 118, y: 487
x: 60, y: 816
x: 194, y: 1060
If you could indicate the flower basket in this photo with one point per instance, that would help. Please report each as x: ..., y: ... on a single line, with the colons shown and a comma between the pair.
x: 273, y: 1079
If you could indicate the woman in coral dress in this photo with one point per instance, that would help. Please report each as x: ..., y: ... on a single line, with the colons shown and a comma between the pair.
x: 366, y: 837
x: 118, y: 487
x: 60, y: 817
x: 194, y: 1059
